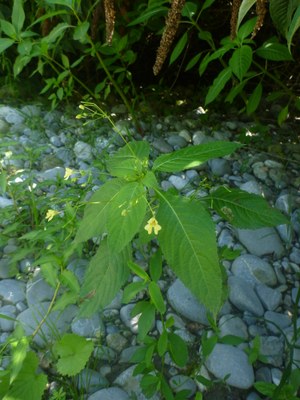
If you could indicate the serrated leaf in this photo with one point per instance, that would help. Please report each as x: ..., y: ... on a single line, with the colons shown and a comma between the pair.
x: 96, y: 212
x: 28, y: 381
x: 130, y: 161
x: 74, y: 352
x: 5, y: 44
x: 178, y: 349
x: 243, y: 10
x: 245, y: 210
x: 80, y: 32
x: 254, y: 99
x: 179, y: 48
x: 126, y: 213
x: 240, y: 61
x: 69, y: 279
x: 156, y: 297
x: 105, y: 275
x: 8, y: 28
x: 193, y: 156
x: 218, y: 85
x: 50, y: 273
x: 274, y: 52
x: 18, y: 15
x: 188, y: 242
x: 279, y: 14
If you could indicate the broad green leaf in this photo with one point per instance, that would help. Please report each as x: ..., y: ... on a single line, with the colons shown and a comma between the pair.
x: 138, y: 270
x: 149, y: 13
x: 208, y: 344
x: 74, y: 352
x: 254, y: 99
x: 178, y: 349
x: 20, y: 63
x: 24, y: 47
x: 243, y: 10
x: 80, y: 32
x: 246, y: 29
x: 265, y: 388
x: 105, y: 275
x: 155, y: 266
x: 126, y: 213
x: 179, y: 48
x: 146, y: 320
x: 189, y: 9
x: 130, y: 161
x: 96, y: 211
x: 240, y: 61
x: 28, y: 381
x: 191, y: 157
x: 18, y: 15
x: 294, y: 26
x: 207, y: 4
x: 20, y: 347
x: 50, y: 273
x: 150, y: 180
x: 57, y: 32
x: 69, y: 280
x: 188, y: 242
x: 232, y: 340
x: 132, y: 290
x: 65, y: 61
x: 274, y: 52
x: 65, y: 300
x: 162, y: 343
x: 5, y: 44
x: 156, y: 297
x: 8, y: 29
x: 218, y: 85
x: 280, y: 15
x: 244, y: 210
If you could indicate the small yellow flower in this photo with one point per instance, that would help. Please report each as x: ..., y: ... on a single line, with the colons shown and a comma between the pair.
x: 81, y: 107
x: 68, y: 173
x: 152, y: 225
x: 51, y: 214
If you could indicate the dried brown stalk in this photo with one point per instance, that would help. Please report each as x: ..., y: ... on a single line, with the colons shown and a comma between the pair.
x: 110, y: 16
x: 234, y: 17
x: 170, y: 30
x: 261, y: 11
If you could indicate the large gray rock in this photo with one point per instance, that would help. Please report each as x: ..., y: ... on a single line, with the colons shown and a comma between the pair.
x: 270, y: 298
x: 7, y: 325
x: 88, y: 327
x: 261, y: 241
x: 253, y: 270
x: 229, y: 360
x: 83, y: 151
x: 230, y: 324
x: 38, y: 290
x: 90, y: 381
x: 186, y: 304
x: 12, y: 291
x: 112, y: 393
x: 243, y: 296
x: 277, y: 321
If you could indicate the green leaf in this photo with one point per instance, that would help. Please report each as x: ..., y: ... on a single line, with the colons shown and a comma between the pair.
x: 96, y: 212
x: 149, y: 13
x: 282, y: 116
x: 178, y: 349
x: 3, y: 182
x: 130, y: 161
x: 24, y: 47
x: 179, y: 48
x: 18, y: 15
x: 294, y: 26
x: 189, y: 9
x: 20, y: 63
x: 80, y: 32
x: 162, y: 343
x: 146, y: 320
x: 274, y: 52
x: 65, y: 300
x: 218, y: 85
x: 28, y: 382
x: 65, y: 61
x: 132, y: 290
x: 265, y: 388
x: 235, y: 91
x: 50, y: 273
x: 254, y: 99
x: 243, y: 10
x: 244, y: 210
x: 193, y: 156
x: 240, y: 61
x: 66, y: 3
x: 56, y: 33
x: 105, y: 275
x: 8, y: 28
x: 245, y: 30
x: 188, y: 242
x: 5, y: 44
x: 126, y: 213
x: 156, y: 297
x: 232, y: 340
x: 218, y: 54
x: 208, y: 344
x: 73, y: 352
x: 156, y: 266
x: 193, y: 61
x: 138, y: 270
x: 280, y: 15
x: 69, y: 280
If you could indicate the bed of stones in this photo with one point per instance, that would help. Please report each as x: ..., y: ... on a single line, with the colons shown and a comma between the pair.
x: 263, y: 279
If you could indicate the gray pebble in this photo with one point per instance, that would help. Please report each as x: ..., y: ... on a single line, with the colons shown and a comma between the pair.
x: 270, y: 298
x: 242, y: 295
x: 261, y: 241
x: 12, y: 291
x: 232, y: 325
x: 276, y: 321
x: 91, y: 327
x: 183, y: 382
x: 90, y: 381
x: 9, y: 311
x: 112, y: 393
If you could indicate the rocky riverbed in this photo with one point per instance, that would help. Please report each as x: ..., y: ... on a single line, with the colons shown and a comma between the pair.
x: 263, y: 278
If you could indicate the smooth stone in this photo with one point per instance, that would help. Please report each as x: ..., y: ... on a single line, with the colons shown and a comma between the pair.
x: 83, y: 151
x: 229, y: 360
x: 11, y: 115
x: 260, y: 242
x: 295, y: 256
x: 254, y: 270
x: 131, y: 384
x: 7, y: 325
x: 219, y: 167
x: 52, y: 174
x: 252, y: 187
x: 104, y: 353
x: 284, y: 203
x: 57, y: 322
x: 263, y: 374
x: 232, y: 325
x: 4, y: 202
x: 260, y: 170
x: 295, y: 220
x: 178, y: 182
x: 270, y: 298
x: 5, y: 269
x: 90, y: 381
x: 12, y: 291
x: 243, y: 297
x: 253, y: 396
x: 276, y: 319
x: 186, y: 304
x: 286, y: 233
x: 78, y: 267
x: 127, y: 353
x: 183, y: 382
x: 38, y: 290
x: 199, y: 137
x: 225, y: 239
x: 116, y: 341
x: 112, y: 393
x: 127, y: 319
x: 162, y: 146
x: 91, y: 327
x: 177, y: 141
x: 272, y: 348
x: 31, y: 110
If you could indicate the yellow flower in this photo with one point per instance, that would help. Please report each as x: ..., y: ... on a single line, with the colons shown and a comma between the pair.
x: 152, y: 225
x: 68, y: 173
x: 51, y: 214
